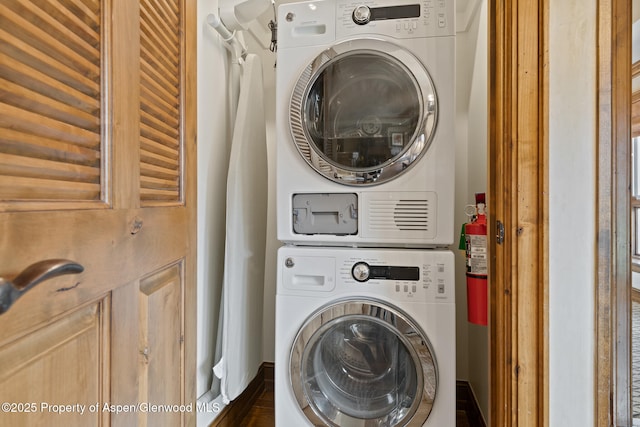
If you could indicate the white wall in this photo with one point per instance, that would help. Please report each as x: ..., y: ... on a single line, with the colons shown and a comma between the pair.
x: 477, y: 132
x: 572, y: 201
x: 471, y: 177
x: 213, y: 153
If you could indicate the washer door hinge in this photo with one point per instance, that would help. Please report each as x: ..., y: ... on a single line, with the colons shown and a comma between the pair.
x: 499, y: 232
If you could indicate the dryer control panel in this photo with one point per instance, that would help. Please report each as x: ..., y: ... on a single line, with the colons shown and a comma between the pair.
x: 403, y: 19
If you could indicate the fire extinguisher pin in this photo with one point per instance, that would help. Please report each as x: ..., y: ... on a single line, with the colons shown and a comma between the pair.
x: 470, y: 211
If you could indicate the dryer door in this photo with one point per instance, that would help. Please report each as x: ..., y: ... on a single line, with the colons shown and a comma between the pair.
x: 364, y: 363
x: 363, y: 112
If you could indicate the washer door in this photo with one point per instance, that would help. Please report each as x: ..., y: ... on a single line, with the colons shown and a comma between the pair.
x: 363, y: 363
x: 363, y: 112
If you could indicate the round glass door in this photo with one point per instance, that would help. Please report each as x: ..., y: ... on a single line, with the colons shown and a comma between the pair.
x: 363, y: 363
x: 363, y: 112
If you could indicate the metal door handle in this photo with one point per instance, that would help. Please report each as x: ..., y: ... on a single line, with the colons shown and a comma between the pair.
x: 10, y: 291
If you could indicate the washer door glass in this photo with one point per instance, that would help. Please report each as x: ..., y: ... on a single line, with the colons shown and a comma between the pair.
x: 364, y: 115
x: 364, y: 365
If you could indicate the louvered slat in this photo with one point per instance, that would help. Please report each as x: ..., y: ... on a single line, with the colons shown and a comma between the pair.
x: 158, y: 160
x: 166, y: 80
x: 160, y: 75
x: 40, y: 80
x: 160, y: 125
x: 63, y: 11
x: 167, y: 14
x: 62, y: 28
x: 20, y: 166
x: 37, y: 123
x: 154, y: 147
x: 31, y: 146
x: 151, y: 101
x: 149, y: 170
x: 50, y: 106
x: 167, y: 39
x: 13, y: 47
x: 149, y: 132
x: 22, y: 188
x: 28, y: 99
x: 151, y: 76
x: 156, y: 54
x: 49, y: 43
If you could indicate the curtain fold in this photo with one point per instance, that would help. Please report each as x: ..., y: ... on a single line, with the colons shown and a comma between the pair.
x: 242, y: 295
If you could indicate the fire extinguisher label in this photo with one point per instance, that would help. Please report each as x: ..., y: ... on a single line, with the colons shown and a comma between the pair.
x: 476, y: 254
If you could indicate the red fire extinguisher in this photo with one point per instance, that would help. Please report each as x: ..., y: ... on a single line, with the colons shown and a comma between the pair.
x: 476, y: 259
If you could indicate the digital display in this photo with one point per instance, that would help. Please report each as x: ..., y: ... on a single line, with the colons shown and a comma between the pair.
x: 395, y: 12
x: 395, y: 273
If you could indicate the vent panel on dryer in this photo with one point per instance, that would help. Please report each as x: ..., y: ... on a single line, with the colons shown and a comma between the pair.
x: 407, y: 214
x: 400, y: 214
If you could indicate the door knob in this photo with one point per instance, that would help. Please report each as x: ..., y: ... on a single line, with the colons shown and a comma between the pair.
x: 10, y: 291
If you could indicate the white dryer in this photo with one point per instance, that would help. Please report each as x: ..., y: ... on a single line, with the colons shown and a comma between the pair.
x: 365, y: 122
x: 365, y: 337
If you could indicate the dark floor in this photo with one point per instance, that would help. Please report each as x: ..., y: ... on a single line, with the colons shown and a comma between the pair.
x: 635, y: 358
x: 262, y: 413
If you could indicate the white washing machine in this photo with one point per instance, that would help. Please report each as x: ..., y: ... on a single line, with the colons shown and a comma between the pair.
x: 365, y: 123
x: 365, y: 338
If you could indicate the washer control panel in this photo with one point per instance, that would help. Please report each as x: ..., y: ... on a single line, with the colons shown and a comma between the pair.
x: 362, y: 272
x: 427, y: 277
x: 404, y: 18
x: 399, y: 274
x: 364, y: 14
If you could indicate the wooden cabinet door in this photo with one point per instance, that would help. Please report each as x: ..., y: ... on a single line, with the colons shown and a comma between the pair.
x: 97, y: 166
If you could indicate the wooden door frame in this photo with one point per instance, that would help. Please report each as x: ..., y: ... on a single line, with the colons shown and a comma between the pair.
x: 518, y: 184
x: 613, y: 290
x: 518, y: 179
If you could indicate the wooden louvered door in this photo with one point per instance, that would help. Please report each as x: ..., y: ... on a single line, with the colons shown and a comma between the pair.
x: 97, y: 166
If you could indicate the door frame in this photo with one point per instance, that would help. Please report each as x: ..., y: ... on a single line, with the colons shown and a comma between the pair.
x: 518, y: 178
x: 518, y: 197
x: 613, y: 264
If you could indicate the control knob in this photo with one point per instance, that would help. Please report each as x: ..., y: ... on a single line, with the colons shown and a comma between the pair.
x: 360, y: 271
x: 361, y: 15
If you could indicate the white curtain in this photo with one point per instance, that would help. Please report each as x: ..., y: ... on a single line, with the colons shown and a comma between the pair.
x: 242, y: 294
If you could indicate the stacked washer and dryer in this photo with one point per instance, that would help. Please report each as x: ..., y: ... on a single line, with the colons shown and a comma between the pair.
x: 365, y: 313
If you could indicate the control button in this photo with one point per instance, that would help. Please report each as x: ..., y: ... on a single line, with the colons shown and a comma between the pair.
x: 397, y: 288
x: 361, y: 15
x: 406, y: 288
x: 441, y: 287
x: 441, y: 21
x: 360, y: 271
x: 414, y: 288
